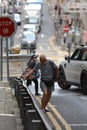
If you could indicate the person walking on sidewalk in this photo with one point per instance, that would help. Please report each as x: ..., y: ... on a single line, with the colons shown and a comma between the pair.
x: 31, y: 64
x: 47, y: 68
x: 68, y: 42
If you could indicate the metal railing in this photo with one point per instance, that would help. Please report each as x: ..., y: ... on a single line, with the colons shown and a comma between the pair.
x: 31, y: 114
x: 17, y: 63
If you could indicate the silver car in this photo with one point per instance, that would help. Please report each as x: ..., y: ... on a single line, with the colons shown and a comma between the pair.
x: 73, y: 70
x: 28, y: 40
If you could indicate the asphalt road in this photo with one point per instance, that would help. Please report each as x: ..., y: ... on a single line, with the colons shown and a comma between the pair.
x: 71, y: 104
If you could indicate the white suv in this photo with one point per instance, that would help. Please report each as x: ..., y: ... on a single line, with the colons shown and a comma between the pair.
x: 73, y: 71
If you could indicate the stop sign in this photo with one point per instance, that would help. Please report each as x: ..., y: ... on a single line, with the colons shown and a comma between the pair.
x: 66, y: 28
x: 7, y: 26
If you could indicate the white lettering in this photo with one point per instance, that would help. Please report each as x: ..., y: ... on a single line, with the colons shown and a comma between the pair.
x: 5, y: 23
x: 5, y: 31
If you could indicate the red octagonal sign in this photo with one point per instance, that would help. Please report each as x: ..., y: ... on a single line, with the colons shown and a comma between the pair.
x: 7, y: 26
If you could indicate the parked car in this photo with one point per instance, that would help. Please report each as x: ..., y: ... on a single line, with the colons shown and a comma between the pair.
x: 28, y: 40
x: 73, y: 70
x: 17, y: 18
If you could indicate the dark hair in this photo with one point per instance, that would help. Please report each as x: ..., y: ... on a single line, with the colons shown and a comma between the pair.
x: 33, y: 56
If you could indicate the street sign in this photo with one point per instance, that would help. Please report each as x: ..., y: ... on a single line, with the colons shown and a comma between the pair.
x: 66, y: 28
x: 65, y: 16
x: 7, y: 26
x: 75, y: 7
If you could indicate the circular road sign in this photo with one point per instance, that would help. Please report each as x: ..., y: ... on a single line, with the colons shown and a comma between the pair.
x: 8, y: 26
x: 66, y: 28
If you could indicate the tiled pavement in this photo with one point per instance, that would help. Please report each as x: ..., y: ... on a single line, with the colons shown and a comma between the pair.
x: 9, y: 111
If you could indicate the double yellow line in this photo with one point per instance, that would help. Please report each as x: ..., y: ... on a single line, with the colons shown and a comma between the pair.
x: 55, y: 117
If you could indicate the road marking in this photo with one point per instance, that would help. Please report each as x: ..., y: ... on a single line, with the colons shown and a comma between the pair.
x: 41, y: 48
x: 57, y: 126
x: 84, y: 98
x: 78, y: 124
x: 59, y: 117
x: 52, y: 118
x: 55, y: 123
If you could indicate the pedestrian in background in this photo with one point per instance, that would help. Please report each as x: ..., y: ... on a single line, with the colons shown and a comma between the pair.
x: 69, y: 42
x: 64, y: 36
x: 55, y: 12
x: 31, y: 64
x: 4, y: 8
x: 47, y: 68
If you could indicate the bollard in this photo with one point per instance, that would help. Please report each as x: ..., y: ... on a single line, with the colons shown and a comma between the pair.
x: 31, y: 120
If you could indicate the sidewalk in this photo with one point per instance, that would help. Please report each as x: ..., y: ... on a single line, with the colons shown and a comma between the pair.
x: 9, y: 111
x: 51, y: 4
x: 60, y: 49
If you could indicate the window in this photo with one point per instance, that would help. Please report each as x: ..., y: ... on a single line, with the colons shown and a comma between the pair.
x: 84, y: 56
x: 76, y: 55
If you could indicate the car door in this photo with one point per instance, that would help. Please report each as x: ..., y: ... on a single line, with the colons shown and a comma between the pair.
x: 73, y: 68
x: 82, y: 63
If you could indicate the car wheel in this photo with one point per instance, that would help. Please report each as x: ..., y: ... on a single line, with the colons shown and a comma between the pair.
x: 84, y: 83
x: 62, y: 80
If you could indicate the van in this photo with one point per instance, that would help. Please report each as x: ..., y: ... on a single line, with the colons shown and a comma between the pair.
x: 33, y: 14
x: 36, y: 2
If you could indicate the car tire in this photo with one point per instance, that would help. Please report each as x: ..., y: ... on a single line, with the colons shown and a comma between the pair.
x: 84, y: 83
x: 62, y: 80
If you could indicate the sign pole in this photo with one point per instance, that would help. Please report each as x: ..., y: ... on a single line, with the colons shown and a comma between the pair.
x: 12, y: 39
x: 1, y: 58
x: 7, y: 28
x: 7, y: 59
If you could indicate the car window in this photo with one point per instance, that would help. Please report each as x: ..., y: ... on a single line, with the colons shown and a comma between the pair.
x: 84, y: 55
x: 16, y: 16
x: 31, y: 20
x: 29, y: 36
x: 76, y: 55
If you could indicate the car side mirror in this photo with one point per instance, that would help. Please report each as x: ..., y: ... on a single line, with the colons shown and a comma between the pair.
x: 67, y: 58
